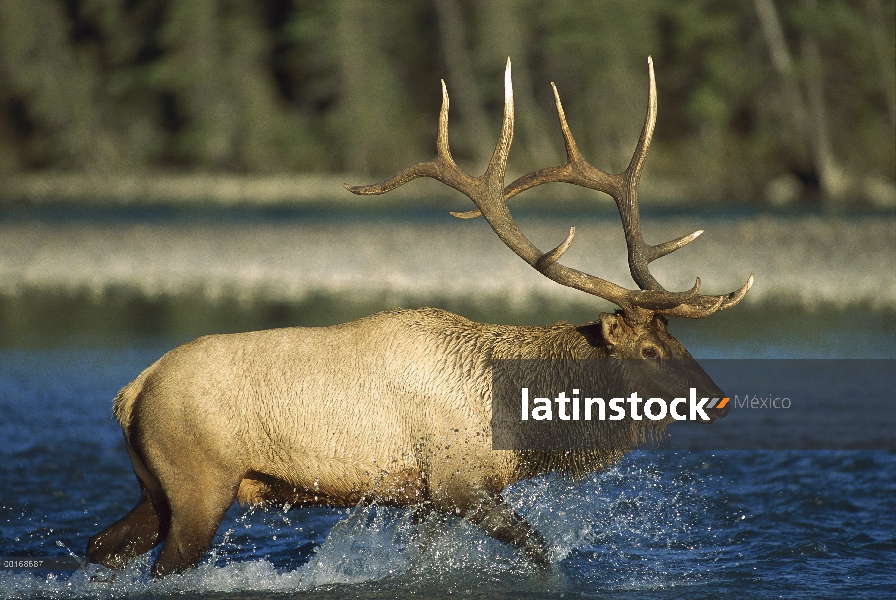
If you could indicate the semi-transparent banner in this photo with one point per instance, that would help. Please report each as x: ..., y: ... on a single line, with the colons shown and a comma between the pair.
x: 711, y: 405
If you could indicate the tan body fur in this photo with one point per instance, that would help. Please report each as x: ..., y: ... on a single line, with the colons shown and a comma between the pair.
x: 395, y: 407
x: 334, y: 413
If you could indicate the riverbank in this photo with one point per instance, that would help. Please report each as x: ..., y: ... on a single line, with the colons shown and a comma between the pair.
x: 83, y: 277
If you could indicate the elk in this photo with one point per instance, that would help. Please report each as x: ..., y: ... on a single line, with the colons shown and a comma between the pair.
x: 392, y: 408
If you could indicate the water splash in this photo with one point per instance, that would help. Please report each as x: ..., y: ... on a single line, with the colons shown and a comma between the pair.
x: 627, y: 528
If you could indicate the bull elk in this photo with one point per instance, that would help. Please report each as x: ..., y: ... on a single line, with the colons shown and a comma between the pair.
x: 388, y: 408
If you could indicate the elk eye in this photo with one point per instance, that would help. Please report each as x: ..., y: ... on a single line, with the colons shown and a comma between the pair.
x: 649, y: 352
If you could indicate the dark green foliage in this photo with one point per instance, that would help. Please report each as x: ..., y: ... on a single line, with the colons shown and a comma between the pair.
x: 320, y: 86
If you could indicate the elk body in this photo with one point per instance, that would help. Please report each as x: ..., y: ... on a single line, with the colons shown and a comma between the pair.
x: 396, y: 407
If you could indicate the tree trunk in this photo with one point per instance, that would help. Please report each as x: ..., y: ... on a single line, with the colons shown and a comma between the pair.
x: 513, y: 38
x: 462, y: 87
x: 807, y: 111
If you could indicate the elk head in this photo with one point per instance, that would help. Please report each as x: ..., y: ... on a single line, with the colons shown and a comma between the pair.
x: 638, y: 329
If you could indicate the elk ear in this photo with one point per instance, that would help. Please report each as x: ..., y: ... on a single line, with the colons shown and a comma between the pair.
x: 612, y: 329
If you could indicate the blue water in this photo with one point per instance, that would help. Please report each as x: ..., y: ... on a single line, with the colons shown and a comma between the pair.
x: 668, y: 524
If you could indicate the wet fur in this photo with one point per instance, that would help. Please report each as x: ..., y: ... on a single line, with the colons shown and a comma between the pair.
x: 394, y: 408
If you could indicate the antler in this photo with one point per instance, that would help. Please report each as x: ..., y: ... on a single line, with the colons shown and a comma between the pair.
x: 490, y: 197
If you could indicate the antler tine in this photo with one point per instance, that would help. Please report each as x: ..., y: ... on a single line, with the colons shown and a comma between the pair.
x: 623, y: 187
x: 442, y: 167
x: 487, y: 192
x: 703, y: 306
x: 565, y: 173
x: 640, y: 253
x: 490, y: 197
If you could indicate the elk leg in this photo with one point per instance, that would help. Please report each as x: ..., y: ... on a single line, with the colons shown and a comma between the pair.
x: 196, y: 512
x: 500, y: 521
x: 139, y: 531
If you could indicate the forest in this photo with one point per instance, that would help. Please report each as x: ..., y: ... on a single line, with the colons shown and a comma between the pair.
x: 766, y: 100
